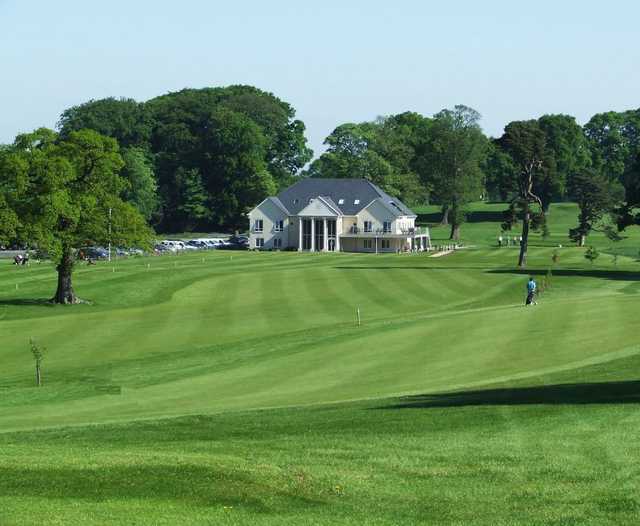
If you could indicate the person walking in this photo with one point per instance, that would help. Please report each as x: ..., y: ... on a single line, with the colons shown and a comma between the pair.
x: 531, y: 291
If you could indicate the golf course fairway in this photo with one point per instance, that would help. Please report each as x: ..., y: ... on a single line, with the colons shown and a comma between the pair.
x: 239, y: 388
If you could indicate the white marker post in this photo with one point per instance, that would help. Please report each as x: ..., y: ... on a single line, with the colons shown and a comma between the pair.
x: 358, y: 315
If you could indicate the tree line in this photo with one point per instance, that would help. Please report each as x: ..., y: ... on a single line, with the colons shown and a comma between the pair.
x: 447, y: 160
x: 200, y: 159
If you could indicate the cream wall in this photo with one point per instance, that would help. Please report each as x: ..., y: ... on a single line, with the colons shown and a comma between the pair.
x: 356, y: 244
x: 378, y: 213
x: 347, y: 223
x: 269, y: 212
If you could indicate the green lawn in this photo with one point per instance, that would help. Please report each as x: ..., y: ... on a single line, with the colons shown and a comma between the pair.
x: 236, y: 388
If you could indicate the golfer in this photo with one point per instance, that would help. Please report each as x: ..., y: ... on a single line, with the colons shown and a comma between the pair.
x: 531, y: 291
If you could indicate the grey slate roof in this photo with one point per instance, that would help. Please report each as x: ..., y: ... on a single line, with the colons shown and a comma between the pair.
x: 279, y: 203
x: 297, y: 196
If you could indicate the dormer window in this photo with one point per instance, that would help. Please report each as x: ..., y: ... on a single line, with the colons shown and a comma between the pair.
x: 356, y: 202
x: 295, y: 201
x: 340, y: 201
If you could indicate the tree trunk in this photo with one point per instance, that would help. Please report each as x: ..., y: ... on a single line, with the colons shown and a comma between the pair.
x: 522, y: 260
x: 38, y: 375
x: 583, y: 240
x: 455, y: 232
x: 445, y: 216
x: 454, y: 220
x: 65, y: 294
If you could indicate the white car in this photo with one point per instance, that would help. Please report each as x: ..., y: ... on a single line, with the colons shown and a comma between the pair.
x: 213, y: 242
x: 172, y: 245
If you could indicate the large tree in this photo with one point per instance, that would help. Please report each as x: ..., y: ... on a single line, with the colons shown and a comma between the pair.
x: 173, y: 129
x: 596, y: 196
x: 565, y: 138
x: 385, y: 151
x: 456, y: 151
x: 60, y: 194
x: 350, y: 154
x: 614, y: 140
x: 526, y: 143
x: 628, y: 212
x: 244, y: 143
x: 142, y: 189
x: 500, y: 173
x: 126, y: 120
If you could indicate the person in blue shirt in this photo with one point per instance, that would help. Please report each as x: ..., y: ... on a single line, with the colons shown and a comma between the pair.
x: 531, y: 291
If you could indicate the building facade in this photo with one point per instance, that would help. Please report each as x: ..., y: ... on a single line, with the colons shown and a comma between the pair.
x: 335, y: 215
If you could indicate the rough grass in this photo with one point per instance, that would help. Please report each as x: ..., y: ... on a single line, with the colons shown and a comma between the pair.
x: 237, y: 389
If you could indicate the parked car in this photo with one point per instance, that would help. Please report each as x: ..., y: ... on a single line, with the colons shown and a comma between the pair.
x: 171, y: 245
x: 236, y: 243
x: 161, y: 248
x: 93, y: 253
x: 217, y: 242
x: 195, y: 244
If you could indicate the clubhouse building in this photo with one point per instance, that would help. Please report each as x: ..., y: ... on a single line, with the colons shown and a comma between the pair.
x: 333, y: 215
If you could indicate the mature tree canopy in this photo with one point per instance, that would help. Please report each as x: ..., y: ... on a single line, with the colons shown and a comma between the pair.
x: 596, y: 196
x: 56, y: 194
x: 501, y: 173
x: 571, y: 155
x: 384, y: 151
x: 350, y: 154
x: 123, y: 119
x: 141, y: 190
x: 214, y: 150
x: 455, y: 152
x: 181, y: 134
x: 614, y: 139
x: 628, y: 213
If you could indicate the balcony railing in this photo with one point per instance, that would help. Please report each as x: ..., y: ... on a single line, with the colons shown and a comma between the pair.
x: 382, y: 231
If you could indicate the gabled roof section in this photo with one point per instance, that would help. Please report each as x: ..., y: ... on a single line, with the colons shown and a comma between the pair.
x: 393, y: 209
x: 349, y: 196
x: 396, y: 204
x: 331, y: 204
x: 276, y: 202
x: 319, y: 206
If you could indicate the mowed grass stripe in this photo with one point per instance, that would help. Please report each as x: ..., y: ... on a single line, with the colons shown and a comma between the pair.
x: 396, y: 351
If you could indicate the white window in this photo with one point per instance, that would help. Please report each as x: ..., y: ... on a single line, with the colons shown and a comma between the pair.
x: 356, y: 202
x: 340, y: 201
x: 368, y: 226
x: 368, y: 243
x: 258, y: 225
x: 386, y: 243
x: 259, y: 242
x: 277, y: 242
x: 386, y: 227
x: 279, y: 225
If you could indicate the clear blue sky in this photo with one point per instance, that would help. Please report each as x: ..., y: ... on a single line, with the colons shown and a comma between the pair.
x: 335, y: 61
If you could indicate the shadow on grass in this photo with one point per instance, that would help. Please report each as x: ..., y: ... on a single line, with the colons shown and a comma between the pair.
x: 627, y: 392
x: 616, y: 275
x: 480, y: 216
x: 404, y: 267
x: 26, y: 302
x: 192, y: 484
